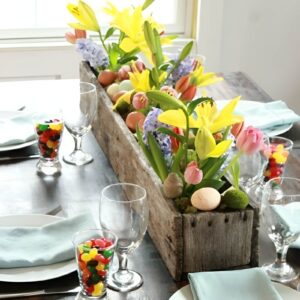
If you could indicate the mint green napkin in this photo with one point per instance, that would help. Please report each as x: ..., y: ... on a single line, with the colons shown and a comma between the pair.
x: 16, y: 128
x: 267, y: 115
x: 37, y: 246
x: 247, y: 284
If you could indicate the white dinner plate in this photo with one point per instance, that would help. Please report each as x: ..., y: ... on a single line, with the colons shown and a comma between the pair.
x: 285, y: 292
x: 244, y: 105
x: 39, y: 273
x: 17, y: 146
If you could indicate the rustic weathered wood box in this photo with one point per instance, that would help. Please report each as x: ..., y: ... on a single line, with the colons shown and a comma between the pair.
x: 186, y: 242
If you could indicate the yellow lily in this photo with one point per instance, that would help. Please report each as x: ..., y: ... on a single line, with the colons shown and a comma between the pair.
x: 206, y: 115
x: 206, y: 145
x: 85, y: 15
x: 140, y: 82
x: 131, y: 21
x: 201, y: 79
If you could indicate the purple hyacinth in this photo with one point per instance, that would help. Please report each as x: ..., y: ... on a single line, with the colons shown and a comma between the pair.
x: 92, y: 52
x: 151, y: 124
x: 185, y: 67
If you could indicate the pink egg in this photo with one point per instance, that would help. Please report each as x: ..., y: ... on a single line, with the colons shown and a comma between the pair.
x: 133, y: 119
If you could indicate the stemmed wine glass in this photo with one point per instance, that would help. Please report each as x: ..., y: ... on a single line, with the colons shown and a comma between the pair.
x: 124, y: 210
x: 280, y: 214
x: 79, y: 112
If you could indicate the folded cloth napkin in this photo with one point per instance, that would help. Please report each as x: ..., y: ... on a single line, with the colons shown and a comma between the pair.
x: 37, y: 246
x: 16, y: 128
x: 268, y: 115
x: 247, y: 284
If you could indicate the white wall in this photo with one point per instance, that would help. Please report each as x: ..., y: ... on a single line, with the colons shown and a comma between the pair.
x: 261, y: 38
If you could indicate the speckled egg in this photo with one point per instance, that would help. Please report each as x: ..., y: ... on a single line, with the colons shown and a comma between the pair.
x: 206, y: 199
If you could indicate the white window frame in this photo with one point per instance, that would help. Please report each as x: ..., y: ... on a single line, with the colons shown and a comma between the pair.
x: 183, y: 28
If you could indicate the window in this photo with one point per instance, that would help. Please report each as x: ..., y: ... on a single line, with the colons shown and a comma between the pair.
x: 23, y: 19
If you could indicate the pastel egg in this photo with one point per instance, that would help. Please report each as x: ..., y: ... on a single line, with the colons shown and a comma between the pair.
x: 126, y: 85
x: 206, y: 199
x: 113, y: 89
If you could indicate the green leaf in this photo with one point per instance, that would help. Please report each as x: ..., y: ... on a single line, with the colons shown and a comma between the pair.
x: 185, y: 51
x: 164, y: 66
x: 149, y: 36
x: 159, y: 58
x: 154, y: 76
x: 113, y: 57
x: 214, y: 183
x: 193, y: 104
x: 214, y: 167
x: 124, y: 60
x: 235, y: 173
x: 146, y: 150
x: 158, y: 157
x: 171, y: 133
x: 109, y: 32
x: 165, y: 100
x: 177, y: 159
x: 147, y: 3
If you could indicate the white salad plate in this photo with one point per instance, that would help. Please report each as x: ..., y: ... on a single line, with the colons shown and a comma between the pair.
x: 17, y: 146
x: 285, y: 292
x: 38, y: 273
x: 245, y: 105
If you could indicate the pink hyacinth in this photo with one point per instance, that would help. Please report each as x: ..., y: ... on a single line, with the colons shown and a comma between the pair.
x: 192, y: 174
x: 250, y: 140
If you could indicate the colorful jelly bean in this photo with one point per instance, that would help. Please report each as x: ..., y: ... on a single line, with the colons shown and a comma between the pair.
x: 94, y: 257
x: 49, y: 136
x: 277, y: 159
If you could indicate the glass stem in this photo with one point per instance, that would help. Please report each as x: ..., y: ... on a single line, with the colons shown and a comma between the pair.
x: 123, y: 261
x: 78, y: 142
x: 281, y: 253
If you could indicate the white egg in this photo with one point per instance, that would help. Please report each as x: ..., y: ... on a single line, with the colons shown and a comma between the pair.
x: 113, y: 89
x: 126, y: 85
x: 206, y: 199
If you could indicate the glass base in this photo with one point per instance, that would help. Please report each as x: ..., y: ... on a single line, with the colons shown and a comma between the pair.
x: 280, y: 272
x: 115, y: 283
x: 48, y: 167
x: 81, y: 296
x: 78, y: 158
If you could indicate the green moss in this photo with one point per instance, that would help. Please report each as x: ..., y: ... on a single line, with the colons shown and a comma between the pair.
x: 235, y: 199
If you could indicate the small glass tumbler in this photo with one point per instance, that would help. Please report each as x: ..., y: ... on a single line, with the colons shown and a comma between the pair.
x: 94, y: 250
x: 49, y: 134
x: 280, y: 148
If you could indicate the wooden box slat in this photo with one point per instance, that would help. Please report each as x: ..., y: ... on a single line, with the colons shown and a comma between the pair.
x: 186, y: 242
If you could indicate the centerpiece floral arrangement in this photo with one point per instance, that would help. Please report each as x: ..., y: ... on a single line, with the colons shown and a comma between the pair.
x: 185, y: 138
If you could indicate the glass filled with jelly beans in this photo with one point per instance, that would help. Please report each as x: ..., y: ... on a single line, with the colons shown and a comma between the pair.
x: 49, y: 134
x: 279, y: 150
x: 94, y: 250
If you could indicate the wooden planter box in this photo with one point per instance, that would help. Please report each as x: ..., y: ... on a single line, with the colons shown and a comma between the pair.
x: 186, y: 242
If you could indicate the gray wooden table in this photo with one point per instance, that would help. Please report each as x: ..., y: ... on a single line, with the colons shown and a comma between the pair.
x: 77, y: 189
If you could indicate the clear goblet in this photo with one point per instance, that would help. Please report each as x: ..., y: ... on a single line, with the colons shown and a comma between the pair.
x: 280, y: 214
x: 124, y: 210
x: 79, y: 112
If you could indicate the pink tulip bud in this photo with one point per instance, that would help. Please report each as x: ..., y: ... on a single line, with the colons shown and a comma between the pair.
x: 72, y: 37
x: 189, y: 93
x: 237, y: 128
x: 169, y: 90
x: 182, y: 84
x: 138, y: 66
x: 139, y: 100
x: 250, y: 140
x: 123, y: 73
x: 192, y: 174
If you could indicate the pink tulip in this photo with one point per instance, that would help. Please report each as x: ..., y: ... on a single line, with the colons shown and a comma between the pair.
x: 169, y: 90
x: 237, y: 128
x: 72, y: 37
x: 192, y: 174
x: 139, y: 100
x: 250, y: 140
